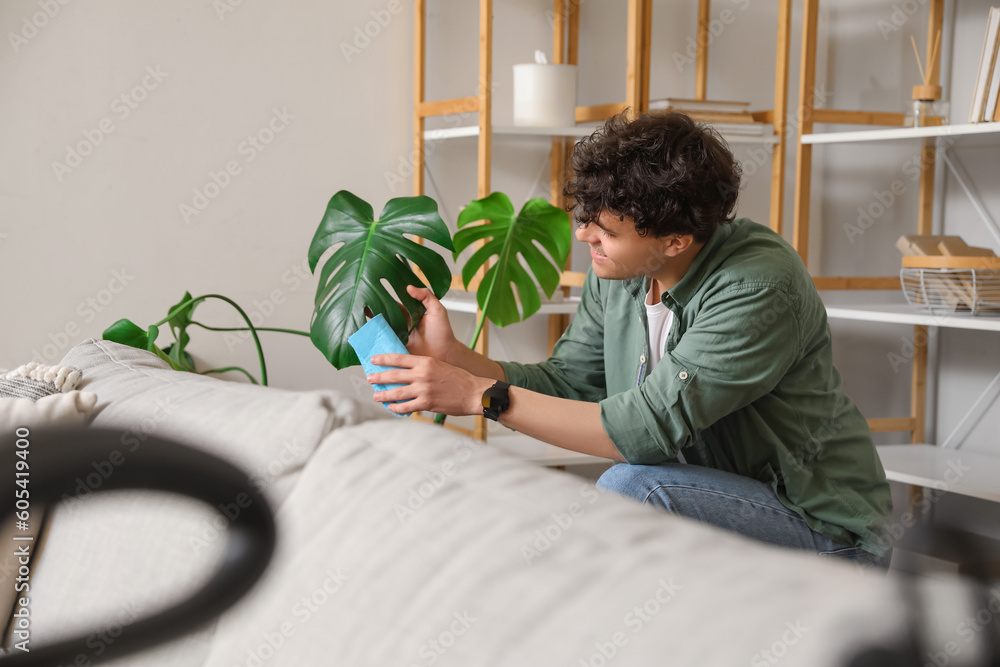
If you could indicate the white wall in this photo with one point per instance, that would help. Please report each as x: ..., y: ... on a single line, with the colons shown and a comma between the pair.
x: 63, y: 236
x: 223, y: 76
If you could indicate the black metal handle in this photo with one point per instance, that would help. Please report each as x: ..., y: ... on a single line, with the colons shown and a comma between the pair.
x: 58, y: 457
x: 912, y: 649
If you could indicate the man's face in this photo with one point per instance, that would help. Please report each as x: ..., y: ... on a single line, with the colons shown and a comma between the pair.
x: 618, y: 252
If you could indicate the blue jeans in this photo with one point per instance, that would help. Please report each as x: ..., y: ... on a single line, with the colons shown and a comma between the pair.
x: 734, y: 502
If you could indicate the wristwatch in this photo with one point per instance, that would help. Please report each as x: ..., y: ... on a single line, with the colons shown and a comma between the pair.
x: 496, y: 399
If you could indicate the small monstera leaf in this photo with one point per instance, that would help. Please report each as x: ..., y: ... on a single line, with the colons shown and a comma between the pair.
x: 179, y: 321
x: 510, y: 237
x: 367, y: 252
x: 128, y: 333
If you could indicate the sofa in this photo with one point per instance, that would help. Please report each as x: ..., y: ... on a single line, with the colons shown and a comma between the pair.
x: 404, y: 543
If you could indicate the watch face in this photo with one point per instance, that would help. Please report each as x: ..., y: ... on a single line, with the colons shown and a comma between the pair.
x: 495, y: 400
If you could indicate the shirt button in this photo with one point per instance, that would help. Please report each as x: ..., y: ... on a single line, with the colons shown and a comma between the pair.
x: 683, y: 375
x: 642, y: 358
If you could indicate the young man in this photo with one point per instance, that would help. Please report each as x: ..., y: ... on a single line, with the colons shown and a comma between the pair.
x: 700, y: 356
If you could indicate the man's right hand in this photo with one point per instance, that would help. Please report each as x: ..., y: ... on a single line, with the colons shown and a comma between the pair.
x: 433, y: 337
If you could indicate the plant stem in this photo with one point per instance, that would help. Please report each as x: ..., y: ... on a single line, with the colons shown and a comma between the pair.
x: 230, y: 368
x: 439, y: 419
x: 253, y: 330
x: 291, y: 331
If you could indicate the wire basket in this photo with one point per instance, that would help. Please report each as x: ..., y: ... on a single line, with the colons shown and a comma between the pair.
x: 948, y: 285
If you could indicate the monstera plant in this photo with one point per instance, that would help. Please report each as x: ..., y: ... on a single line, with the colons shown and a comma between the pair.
x: 372, y: 263
x: 369, y: 251
x: 179, y: 318
x: 508, y: 237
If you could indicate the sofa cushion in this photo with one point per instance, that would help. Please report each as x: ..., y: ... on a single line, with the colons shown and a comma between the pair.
x: 435, y: 549
x: 109, y: 558
x: 269, y: 432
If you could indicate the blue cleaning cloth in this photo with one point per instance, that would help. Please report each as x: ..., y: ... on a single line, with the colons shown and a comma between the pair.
x: 377, y: 337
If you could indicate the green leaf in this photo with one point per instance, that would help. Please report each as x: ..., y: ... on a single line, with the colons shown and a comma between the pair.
x: 179, y: 319
x: 186, y: 360
x: 512, y: 238
x: 126, y: 332
x: 366, y: 252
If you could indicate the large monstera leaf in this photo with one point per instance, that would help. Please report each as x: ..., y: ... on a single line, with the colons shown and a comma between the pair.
x: 369, y: 252
x: 510, y: 237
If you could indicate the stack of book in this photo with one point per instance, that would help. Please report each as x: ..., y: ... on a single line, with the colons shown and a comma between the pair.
x: 727, y: 117
x: 986, y: 98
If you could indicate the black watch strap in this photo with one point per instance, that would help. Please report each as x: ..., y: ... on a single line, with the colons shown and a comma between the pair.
x: 496, y: 399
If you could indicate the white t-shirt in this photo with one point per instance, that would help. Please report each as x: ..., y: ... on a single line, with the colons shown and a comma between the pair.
x: 660, y: 319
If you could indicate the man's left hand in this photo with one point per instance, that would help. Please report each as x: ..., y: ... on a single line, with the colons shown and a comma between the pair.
x: 429, y: 384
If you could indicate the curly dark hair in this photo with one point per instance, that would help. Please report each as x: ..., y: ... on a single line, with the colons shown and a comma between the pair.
x: 662, y: 170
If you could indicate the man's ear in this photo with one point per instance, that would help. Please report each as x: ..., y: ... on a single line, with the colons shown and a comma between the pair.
x: 676, y: 244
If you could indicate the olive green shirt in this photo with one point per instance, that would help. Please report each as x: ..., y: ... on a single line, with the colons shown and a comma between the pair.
x: 746, y: 383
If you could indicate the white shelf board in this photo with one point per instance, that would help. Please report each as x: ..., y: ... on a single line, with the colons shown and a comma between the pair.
x: 536, y: 451
x: 579, y: 131
x: 983, y: 131
x: 473, y: 131
x: 458, y: 301
x: 951, y: 470
x: 903, y: 314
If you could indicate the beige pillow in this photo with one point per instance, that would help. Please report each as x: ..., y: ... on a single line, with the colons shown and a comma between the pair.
x: 74, y: 408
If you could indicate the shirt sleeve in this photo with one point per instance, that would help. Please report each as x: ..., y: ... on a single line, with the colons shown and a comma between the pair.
x: 738, y: 348
x: 576, y: 368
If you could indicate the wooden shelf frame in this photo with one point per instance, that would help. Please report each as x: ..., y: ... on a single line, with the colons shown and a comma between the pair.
x: 808, y: 116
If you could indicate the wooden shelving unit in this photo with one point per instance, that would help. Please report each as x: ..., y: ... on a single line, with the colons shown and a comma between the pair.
x: 919, y: 464
x: 638, y: 38
x: 809, y: 115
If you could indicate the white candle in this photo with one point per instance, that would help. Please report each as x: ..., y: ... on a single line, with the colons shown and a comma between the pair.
x: 544, y: 95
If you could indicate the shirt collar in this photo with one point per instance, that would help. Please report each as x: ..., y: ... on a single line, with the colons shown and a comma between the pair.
x: 705, y: 262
